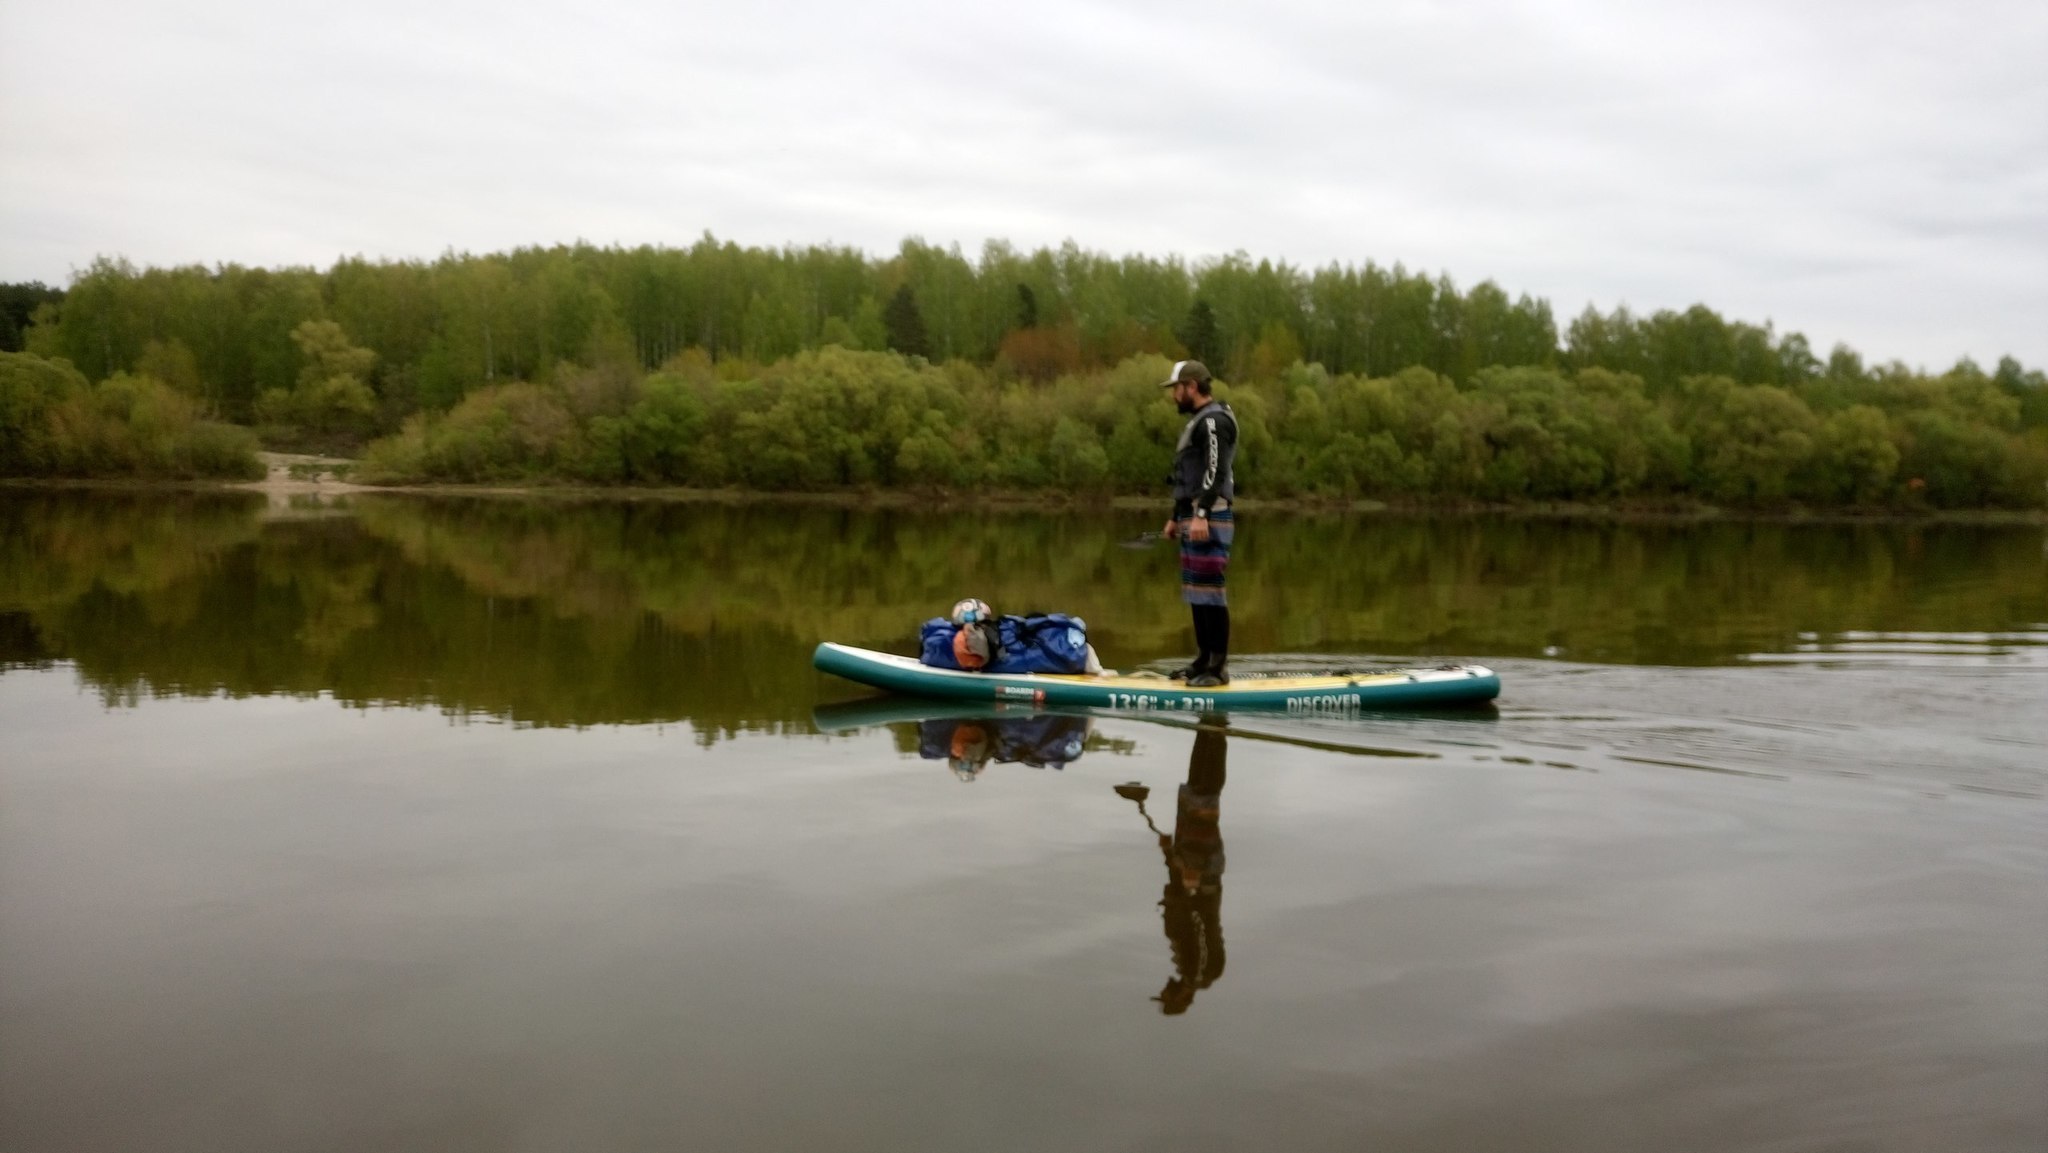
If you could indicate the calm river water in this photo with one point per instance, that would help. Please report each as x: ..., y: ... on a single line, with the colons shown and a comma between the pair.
x: 525, y: 825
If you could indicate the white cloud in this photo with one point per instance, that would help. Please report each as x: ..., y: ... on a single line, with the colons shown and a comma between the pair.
x: 1872, y: 172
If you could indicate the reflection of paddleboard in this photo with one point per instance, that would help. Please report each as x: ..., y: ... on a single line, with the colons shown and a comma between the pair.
x: 1306, y: 695
x: 969, y: 736
x: 874, y: 712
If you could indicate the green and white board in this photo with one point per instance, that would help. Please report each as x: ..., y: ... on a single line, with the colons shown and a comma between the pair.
x: 1305, y: 695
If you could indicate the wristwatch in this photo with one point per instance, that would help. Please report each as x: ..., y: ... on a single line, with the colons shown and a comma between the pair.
x: 1201, y: 514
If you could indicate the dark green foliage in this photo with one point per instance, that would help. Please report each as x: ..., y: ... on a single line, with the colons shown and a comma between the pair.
x: 837, y: 419
x: 330, y: 397
x: 501, y: 432
x: 18, y: 304
x: 31, y: 389
x: 1351, y: 380
x: 905, y: 322
x: 443, y: 328
x: 2030, y: 388
x: 1198, y: 332
x: 54, y: 423
x: 462, y: 322
x: 1856, y: 462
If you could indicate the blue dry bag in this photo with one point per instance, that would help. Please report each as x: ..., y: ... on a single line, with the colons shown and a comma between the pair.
x: 1039, y: 643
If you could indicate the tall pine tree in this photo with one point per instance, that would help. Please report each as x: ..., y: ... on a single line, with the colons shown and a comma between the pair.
x: 906, y: 324
x: 1198, y: 332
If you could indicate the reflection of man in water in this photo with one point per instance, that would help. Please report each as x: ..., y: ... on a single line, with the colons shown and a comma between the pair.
x: 1193, y: 901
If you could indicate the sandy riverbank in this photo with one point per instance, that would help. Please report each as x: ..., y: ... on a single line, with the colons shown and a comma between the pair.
x: 291, y: 473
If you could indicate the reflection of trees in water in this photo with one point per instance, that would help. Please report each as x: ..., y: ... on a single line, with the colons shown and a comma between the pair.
x: 567, y: 613
x: 1663, y: 593
x: 59, y: 546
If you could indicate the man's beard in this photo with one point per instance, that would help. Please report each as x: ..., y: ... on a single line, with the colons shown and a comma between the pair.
x: 1186, y: 406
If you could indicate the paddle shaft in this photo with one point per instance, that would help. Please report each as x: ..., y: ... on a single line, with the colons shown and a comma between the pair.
x: 1138, y: 793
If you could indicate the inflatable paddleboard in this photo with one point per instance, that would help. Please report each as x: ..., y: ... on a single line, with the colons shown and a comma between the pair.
x: 1347, y: 693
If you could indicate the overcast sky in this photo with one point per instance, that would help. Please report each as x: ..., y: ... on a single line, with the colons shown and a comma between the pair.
x: 1868, y: 171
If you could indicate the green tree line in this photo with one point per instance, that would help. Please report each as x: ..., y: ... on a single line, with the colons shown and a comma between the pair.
x: 838, y: 419
x: 567, y: 360
x: 443, y: 328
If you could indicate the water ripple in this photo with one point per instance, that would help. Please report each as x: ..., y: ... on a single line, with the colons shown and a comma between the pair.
x: 2025, y: 649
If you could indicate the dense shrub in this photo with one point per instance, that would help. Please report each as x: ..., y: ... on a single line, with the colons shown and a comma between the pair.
x: 838, y: 418
x: 507, y: 432
x: 53, y: 423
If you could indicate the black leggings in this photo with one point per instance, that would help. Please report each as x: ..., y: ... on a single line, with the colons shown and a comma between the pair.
x: 1212, y: 632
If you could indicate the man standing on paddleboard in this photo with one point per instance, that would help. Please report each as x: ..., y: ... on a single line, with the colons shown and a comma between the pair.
x: 1203, y: 491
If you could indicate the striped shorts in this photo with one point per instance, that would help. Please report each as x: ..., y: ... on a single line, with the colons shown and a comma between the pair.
x: 1202, y: 562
